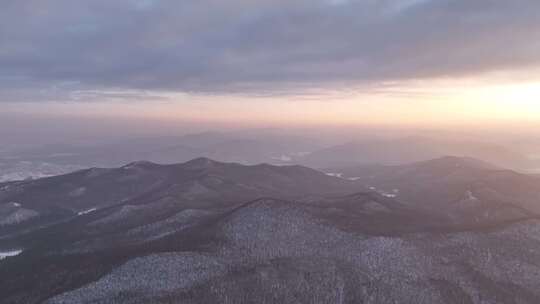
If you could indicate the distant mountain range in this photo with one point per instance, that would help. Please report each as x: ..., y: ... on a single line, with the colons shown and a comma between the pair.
x: 172, y: 149
x: 457, y: 187
x: 48, y: 160
x: 247, y: 148
x: 413, y: 149
x: 449, y: 230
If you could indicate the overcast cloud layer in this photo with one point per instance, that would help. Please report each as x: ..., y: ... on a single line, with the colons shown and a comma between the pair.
x: 79, y: 49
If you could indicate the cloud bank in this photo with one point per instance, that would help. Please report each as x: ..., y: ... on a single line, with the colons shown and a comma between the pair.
x: 64, y: 49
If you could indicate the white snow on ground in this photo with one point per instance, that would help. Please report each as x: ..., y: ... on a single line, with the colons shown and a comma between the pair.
x: 22, y: 170
x: 5, y: 254
x: 86, y: 211
x: 17, y: 176
x: 392, y: 194
x: 340, y: 175
x: 471, y: 196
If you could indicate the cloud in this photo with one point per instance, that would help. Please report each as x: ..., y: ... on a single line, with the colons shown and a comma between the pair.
x: 241, y: 46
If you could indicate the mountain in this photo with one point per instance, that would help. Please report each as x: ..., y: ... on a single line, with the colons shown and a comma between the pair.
x: 274, y: 251
x: 242, y: 147
x: 412, y: 149
x: 195, y: 183
x: 454, y: 186
x: 211, y: 232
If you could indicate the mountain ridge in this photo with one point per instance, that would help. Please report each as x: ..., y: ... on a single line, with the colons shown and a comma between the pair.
x: 210, y: 232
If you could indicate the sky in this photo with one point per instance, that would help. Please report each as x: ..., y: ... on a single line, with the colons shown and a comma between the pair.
x: 273, y: 62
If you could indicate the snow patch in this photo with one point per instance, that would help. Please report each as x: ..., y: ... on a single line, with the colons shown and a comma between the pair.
x: 339, y: 175
x: 5, y: 254
x: 393, y: 194
x: 86, y: 211
x: 23, y: 170
x: 470, y: 196
x: 14, y: 204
